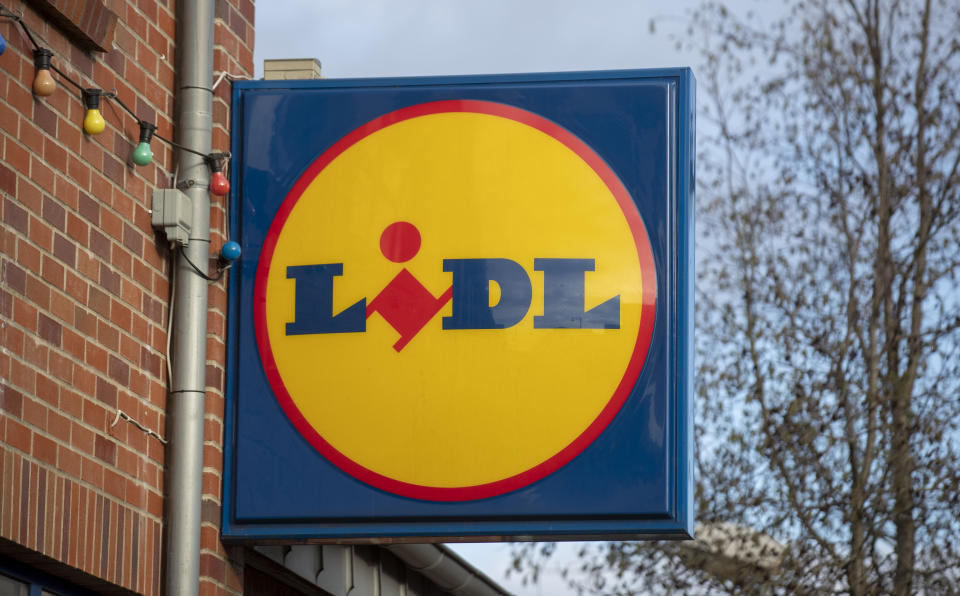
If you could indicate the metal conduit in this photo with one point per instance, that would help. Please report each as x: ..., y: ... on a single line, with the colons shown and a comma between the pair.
x: 188, y: 380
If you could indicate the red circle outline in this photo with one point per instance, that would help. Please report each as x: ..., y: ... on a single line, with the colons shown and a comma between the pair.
x: 620, y: 394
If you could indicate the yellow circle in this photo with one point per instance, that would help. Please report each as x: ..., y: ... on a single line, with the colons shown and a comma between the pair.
x: 454, y: 408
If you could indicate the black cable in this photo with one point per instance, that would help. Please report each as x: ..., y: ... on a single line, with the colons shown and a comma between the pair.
x: 29, y: 34
x: 5, y: 13
x: 113, y: 97
x: 179, y: 146
x: 66, y: 78
x: 220, y: 270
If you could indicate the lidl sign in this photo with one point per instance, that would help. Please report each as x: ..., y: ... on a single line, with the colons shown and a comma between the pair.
x: 463, y: 309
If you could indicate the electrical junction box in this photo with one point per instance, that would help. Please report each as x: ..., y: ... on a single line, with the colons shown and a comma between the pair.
x: 172, y: 212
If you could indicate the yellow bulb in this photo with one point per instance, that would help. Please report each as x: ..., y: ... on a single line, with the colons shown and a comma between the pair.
x: 93, y: 122
x: 43, y: 83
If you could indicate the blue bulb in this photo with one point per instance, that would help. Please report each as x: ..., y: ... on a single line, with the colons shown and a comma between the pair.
x: 230, y: 251
x: 3, y: 45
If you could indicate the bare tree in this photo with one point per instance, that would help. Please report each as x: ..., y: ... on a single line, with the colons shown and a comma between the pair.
x: 828, y: 308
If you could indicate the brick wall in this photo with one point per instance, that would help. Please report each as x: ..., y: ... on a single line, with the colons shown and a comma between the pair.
x: 85, y: 293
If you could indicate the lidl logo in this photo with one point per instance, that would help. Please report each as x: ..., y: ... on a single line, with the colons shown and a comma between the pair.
x: 454, y: 300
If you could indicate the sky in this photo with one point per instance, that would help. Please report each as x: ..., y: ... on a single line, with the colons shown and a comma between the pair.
x: 375, y: 38
x: 363, y: 38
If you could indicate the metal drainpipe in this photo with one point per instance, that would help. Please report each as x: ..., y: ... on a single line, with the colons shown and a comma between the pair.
x: 188, y: 382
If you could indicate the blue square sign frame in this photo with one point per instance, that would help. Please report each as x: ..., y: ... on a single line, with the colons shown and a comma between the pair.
x: 634, y: 481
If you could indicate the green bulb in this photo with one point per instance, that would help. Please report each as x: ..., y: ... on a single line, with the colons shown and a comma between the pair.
x: 142, y: 155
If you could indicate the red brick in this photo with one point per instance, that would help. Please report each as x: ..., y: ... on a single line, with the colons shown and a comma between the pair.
x: 58, y: 426
x: 106, y: 392
x: 118, y: 369
x: 130, y: 293
x: 98, y: 301
x: 61, y: 306
x: 75, y: 286
x: 17, y: 157
x: 69, y: 462
x: 29, y: 256
x: 14, y: 277
x: 127, y: 462
x: 18, y: 435
x: 113, y: 169
x: 48, y: 390
x: 113, y: 483
x: 211, y: 482
x: 82, y: 438
x: 109, y: 279
x: 77, y: 229
x: 73, y: 343
x: 41, y: 174
x: 122, y: 261
x: 23, y: 377
x: 24, y: 314
x: 71, y: 403
x: 84, y: 380
x: 54, y: 213
x: 35, y: 413
x: 100, y: 245
x: 15, y: 216
x: 78, y: 171
x: 96, y: 357
x: 38, y: 292
x: 129, y: 348
x: 8, y: 180
x: 105, y: 450
x: 94, y: 415
x: 44, y: 449
x: 92, y: 472
x: 53, y: 272
x: 54, y: 154
x: 45, y: 118
x: 61, y: 367
x: 49, y: 330
x: 87, y: 265
x: 111, y: 224
x: 65, y: 250
x: 84, y: 321
x: 140, y: 328
x: 108, y: 335
x: 66, y: 192
x: 11, y: 401
x: 41, y: 234
x: 8, y: 116
x: 120, y: 315
x: 139, y: 383
x: 89, y: 208
x: 6, y: 308
x: 133, y: 240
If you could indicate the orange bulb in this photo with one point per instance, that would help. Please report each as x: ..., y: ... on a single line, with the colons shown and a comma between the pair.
x: 43, y: 83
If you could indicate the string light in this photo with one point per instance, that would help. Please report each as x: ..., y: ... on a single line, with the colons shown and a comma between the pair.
x: 142, y: 154
x: 43, y: 83
x: 219, y: 185
x: 93, y: 122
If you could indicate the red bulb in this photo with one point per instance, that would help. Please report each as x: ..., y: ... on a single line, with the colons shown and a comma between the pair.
x: 219, y: 185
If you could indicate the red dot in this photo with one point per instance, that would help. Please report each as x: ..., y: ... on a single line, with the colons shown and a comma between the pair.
x: 400, y: 241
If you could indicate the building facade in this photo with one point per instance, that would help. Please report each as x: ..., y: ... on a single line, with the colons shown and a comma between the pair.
x: 84, y: 316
